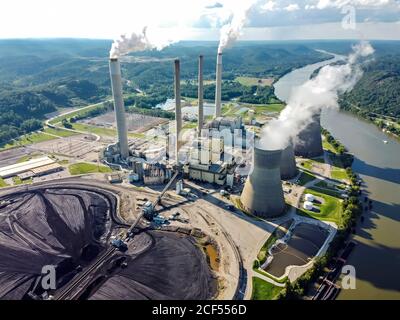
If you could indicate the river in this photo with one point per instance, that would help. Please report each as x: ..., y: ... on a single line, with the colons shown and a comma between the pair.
x: 376, y: 257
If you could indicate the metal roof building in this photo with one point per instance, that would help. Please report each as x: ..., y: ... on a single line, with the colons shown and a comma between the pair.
x: 18, y: 168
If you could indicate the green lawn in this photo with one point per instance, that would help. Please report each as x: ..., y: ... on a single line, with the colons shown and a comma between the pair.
x: 17, y: 181
x: 327, y: 146
x: 83, y: 168
x: 94, y: 129
x: 305, y: 177
x: 3, y: 183
x: 59, y: 132
x: 263, y: 290
x: 251, y: 81
x: 73, y: 114
x: 330, y: 209
x: 273, y: 107
x: 308, y: 164
x: 27, y: 139
x: 339, y: 174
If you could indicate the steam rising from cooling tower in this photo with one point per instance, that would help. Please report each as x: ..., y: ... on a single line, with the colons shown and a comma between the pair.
x: 307, y: 100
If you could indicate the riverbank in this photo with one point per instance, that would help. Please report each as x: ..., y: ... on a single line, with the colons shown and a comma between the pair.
x: 377, y: 251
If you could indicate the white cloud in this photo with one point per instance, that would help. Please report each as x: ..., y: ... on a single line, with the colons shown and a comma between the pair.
x: 269, y: 6
x: 292, y: 7
x: 323, y: 4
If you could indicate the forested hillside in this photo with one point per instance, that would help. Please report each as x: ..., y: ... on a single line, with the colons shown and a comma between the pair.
x: 378, y: 91
x: 39, y: 76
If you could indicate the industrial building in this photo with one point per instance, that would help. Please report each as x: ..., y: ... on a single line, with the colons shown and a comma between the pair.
x: 203, y: 160
x: 29, y: 169
x: 263, y: 193
x: 308, y: 143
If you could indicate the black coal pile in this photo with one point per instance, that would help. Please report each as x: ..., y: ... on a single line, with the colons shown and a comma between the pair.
x: 164, y: 265
x: 65, y: 227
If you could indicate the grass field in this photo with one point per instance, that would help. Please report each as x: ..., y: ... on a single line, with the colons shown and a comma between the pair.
x: 3, y: 183
x: 27, y: 139
x: 94, y: 129
x: 59, y: 132
x: 330, y: 209
x: 273, y: 107
x: 305, y: 177
x: 75, y: 113
x: 17, y: 181
x: 308, y: 164
x: 327, y: 146
x: 251, y: 81
x: 339, y: 174
x: 84, y: 168
x: 263, y: 290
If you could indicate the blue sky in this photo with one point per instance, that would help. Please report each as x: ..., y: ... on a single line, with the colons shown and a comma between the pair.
x: 200, y: 19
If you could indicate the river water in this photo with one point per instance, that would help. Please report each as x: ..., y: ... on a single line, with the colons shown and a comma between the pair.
x: 376, y: 257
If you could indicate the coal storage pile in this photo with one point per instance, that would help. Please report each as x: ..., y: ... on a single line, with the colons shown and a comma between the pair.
x: 168, y: 266
x: 65, y: 227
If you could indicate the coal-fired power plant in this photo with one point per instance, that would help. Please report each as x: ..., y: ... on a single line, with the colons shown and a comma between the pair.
x: 201, y: 96
x: 288, y: 163
x: 116, y: 83
x: 218, y: 86
x: 263, y: 193
x: 308, y: 143
x: 178, y: 109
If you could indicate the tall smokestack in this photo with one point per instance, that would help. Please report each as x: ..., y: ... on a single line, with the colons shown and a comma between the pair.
x: 308, y: 142
x: 200, y: 96
x: 178, y: 111
x: 116, y: 83
x: 218, y: 86
x: 263, y: 194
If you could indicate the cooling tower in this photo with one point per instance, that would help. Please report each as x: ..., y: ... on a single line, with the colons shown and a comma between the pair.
x: 308, y: 143
x: 288, y: 163
x: 218, y: 86
x: 263, y: 194
x: 116, y: 83
x: 178, y: 110
x: 200, y: 96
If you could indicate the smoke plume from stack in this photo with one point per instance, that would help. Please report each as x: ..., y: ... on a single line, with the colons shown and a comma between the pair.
x: 137, y: 41
x: 231, y: 31
x: 308, y: 99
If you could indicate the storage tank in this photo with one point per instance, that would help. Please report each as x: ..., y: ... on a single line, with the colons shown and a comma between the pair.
x: 288, y: 163
x: 263, y: 194
x: 308, y: 143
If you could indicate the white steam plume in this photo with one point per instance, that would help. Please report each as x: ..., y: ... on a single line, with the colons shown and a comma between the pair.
x: 230, y: 32
x: 308, y: 99
x: 137, y: 41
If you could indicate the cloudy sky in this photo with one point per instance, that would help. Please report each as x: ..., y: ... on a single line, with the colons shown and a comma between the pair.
x: 201, y: 19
